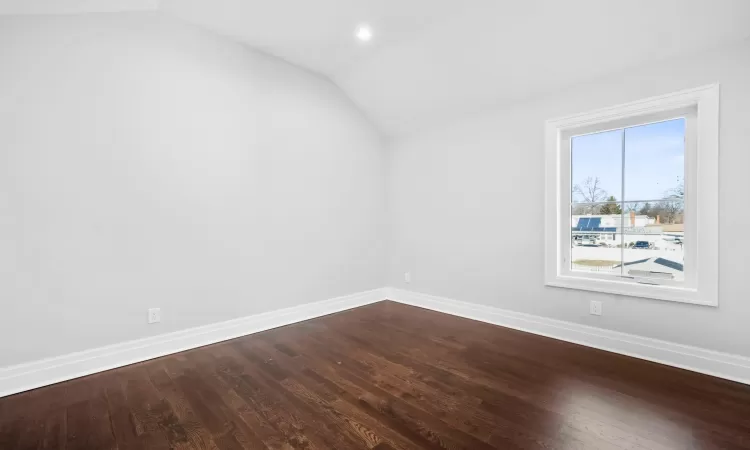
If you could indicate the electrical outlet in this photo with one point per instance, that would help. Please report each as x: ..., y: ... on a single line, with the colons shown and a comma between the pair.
x: 596, y: 308
x: 154, y: 315
x: 407, y: 277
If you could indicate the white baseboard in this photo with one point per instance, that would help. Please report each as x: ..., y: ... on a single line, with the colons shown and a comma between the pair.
x: 722, y: 365
x: 24, y: 377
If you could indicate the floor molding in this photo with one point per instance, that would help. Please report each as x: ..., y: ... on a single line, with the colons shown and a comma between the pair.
x: 709, y: 362
x: 27, y: 376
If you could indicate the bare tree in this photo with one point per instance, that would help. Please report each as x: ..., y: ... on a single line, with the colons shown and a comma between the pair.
x: 671, y: 209
x: 633, y: 207
x: 678, y: 191
x: 579, y: 210
x: 590, y: 192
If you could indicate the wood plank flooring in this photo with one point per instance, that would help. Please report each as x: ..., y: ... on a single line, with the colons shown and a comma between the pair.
x: 385, y: 376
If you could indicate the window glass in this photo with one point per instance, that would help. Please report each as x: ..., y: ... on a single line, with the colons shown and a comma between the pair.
x: 627, y: 212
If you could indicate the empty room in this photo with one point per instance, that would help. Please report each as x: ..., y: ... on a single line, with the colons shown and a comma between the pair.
x: 374, y: 224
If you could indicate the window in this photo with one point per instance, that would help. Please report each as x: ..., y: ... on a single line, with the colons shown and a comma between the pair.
x: 632, y: 199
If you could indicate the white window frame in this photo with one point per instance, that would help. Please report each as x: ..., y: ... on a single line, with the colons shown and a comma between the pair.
x: 700, y: 107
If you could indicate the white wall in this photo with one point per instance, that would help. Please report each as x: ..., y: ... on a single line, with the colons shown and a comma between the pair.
x: 452, y: 190
x: 145, y: 163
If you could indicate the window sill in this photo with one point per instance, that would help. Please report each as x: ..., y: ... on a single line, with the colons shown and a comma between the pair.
x: 666, y: 293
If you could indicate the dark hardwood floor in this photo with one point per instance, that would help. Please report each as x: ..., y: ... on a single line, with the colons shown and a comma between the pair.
x: 385, y: 376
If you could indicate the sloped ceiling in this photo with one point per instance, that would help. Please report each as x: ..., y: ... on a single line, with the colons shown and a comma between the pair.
x: 316, y: 34
x: 509, y: 51
x: 432, y: 61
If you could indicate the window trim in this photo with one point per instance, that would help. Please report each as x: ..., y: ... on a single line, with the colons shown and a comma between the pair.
x: 701, y: 186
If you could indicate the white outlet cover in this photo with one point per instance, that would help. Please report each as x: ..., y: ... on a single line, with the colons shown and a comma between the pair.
x: 596, y: 308
x: 407, y: 277
x: 154, y: 315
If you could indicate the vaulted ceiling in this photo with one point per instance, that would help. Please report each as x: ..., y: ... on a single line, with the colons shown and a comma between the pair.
x: 431, y: 61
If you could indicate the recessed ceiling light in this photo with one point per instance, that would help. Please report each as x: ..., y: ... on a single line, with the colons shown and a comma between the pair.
x: 364, y: 33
